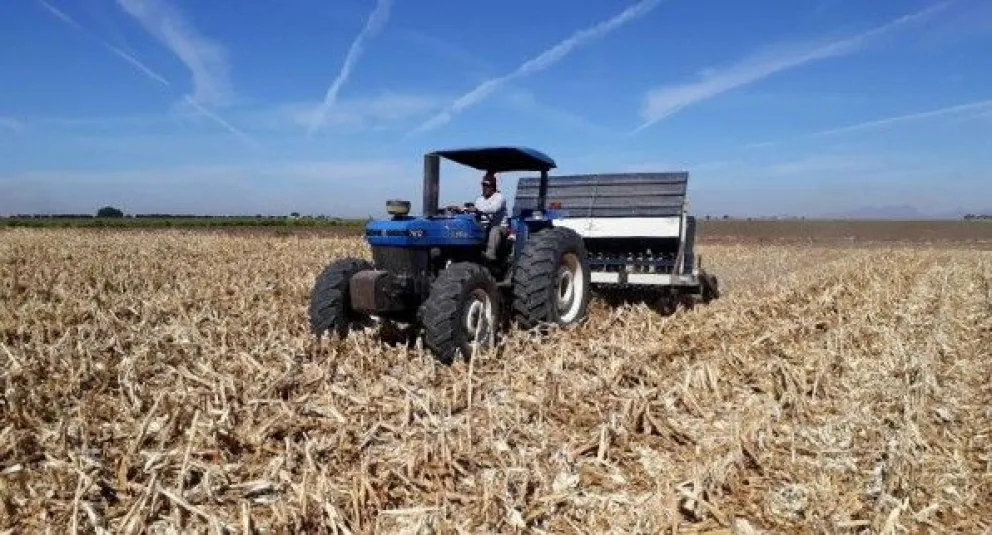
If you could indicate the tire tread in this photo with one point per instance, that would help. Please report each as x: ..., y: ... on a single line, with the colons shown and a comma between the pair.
x: 329, y: 302
x: 534, y: 275
x: 442, y: 310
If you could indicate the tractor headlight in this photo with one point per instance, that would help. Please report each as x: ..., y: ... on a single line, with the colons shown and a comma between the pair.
x: 398, y: 207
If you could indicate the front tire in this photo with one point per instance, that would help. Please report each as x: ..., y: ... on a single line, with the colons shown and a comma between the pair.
x: 330, y: 304
x: 551, y: 281
x: 462, y: 312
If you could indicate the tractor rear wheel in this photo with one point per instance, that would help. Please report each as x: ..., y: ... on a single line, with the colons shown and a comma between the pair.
x: 462, y: 312
x: 330, y: 305
x: 551, y: 280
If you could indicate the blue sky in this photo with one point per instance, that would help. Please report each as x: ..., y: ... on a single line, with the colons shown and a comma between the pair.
x: 326, y: 106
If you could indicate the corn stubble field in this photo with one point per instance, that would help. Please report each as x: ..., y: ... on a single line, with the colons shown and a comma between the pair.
x: 165, y: 381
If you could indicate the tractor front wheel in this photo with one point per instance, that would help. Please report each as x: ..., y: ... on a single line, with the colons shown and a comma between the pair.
x: 330, y: 305
x: 551, y: 281
x: 462, y: 312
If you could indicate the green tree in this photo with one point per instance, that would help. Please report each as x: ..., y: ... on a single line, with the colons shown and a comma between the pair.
x: 109, y: 211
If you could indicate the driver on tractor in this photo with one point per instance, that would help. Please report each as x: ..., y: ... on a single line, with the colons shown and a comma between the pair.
x: 492, y: 203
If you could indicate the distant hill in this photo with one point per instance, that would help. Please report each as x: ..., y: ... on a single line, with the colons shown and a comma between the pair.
x: 899, y: 212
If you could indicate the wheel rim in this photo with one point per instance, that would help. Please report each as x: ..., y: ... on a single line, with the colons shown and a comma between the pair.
x: 570, y: 287
x: 479, y: 320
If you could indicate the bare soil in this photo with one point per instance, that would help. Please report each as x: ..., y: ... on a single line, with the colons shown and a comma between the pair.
x: 970, y: 233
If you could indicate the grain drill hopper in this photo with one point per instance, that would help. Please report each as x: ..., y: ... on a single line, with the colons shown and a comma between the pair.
x: 636, y: 229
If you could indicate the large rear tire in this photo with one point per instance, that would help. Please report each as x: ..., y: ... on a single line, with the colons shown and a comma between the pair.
x: 330, y: 304
x: 461, y: 313
x: 551, y: 280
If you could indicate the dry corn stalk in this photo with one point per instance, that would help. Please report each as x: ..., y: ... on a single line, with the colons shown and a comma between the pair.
x: 159, y: 380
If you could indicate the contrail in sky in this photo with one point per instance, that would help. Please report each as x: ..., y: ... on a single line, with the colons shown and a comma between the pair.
x: 135, y: 62
x: 541, y: 62
x: 138, y: 65
x: 982, y: 105
x: 177, y: 41
x: 663, y: 102
x: 205, y: 58
x: 374, y: 25
x: 244, y: 137
x: 978, y: 109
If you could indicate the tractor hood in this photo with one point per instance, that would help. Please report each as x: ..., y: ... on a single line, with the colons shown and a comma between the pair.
x: 458, y: 230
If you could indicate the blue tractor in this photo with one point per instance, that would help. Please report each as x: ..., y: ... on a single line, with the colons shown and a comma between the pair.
x: 431, y: 272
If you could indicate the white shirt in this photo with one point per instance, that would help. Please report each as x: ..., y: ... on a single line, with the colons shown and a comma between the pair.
x: 495, y: 205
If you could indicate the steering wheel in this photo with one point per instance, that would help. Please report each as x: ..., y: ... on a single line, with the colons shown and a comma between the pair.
x: 455, y: 209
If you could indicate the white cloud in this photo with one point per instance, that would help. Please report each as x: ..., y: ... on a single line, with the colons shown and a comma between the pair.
x: 219, y: 120
x: 297, y: 169
x: 983, y: 107
x: 527, y: 102
x: 138, y: 64
x: 839, y: 182
x: 385, y: 110
x: 135, y: 62
x: 102, y: 123
x: 834, y: 163
x: 205, y: 58
x: 307, y: 186
x: 540, y: 62
x: 665, y: 101
x: 976, y: 110
x: 375, y: 24
x: 475, y: 67
x: 10, y: 123
x: 368, y: 112
x: 664, y: 166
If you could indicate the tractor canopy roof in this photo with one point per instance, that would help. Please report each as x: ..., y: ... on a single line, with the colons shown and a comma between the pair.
x: 500, y: 159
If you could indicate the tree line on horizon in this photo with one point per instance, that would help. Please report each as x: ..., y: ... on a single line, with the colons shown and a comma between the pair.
x: 112, y: 217
x: 110, y: 212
